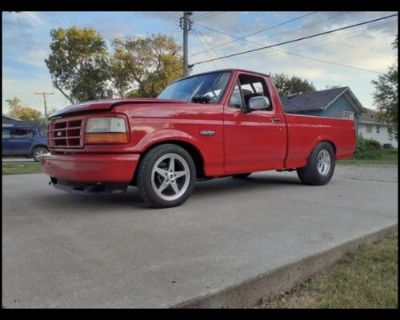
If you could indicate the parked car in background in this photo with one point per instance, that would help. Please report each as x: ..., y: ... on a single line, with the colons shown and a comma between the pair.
x: 29, y: 140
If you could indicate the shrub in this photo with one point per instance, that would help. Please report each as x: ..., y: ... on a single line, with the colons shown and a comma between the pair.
x: 367, y: 149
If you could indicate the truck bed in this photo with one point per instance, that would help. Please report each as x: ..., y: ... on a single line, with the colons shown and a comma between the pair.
x: 305, y: 131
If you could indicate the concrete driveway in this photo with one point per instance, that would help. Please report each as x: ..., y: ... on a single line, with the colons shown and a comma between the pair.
x: 63, y: 250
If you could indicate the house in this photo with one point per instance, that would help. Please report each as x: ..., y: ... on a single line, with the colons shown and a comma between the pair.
x: 339, y: 103
x: 371, y: 128
x: 8, y: 121
x: 335, y: 102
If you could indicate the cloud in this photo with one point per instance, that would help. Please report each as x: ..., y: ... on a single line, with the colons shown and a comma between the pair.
x: 24, y: 18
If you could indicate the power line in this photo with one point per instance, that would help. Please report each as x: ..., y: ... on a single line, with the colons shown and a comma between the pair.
x: 296, y: 40
x: 357, y: 32
x: 302, y: 56
x: 280, y: 34
x: 256, y: 32
x: 203, y: 45
x: 326, y: 61
x: 209, y: 46
x: 208, y: 16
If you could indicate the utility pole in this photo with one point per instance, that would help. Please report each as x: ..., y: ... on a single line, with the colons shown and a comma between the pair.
x: 44, y: 94
x: 186, y: 25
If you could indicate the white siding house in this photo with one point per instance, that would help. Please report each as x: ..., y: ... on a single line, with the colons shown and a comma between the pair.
x: 370, y: 128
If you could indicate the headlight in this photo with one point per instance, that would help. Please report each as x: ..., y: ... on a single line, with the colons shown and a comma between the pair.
x: 101, y: 130
x: 106, y: 124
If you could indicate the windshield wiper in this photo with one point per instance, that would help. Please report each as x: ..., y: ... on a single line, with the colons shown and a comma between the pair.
x: 201, y: 99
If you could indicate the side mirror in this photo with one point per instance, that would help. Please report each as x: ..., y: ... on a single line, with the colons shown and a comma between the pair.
x: 259, y: 103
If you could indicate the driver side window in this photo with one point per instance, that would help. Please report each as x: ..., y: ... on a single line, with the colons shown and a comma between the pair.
x: 248, y: 86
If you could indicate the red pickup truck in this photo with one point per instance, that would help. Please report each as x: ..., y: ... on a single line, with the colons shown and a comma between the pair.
x: 215, y: 124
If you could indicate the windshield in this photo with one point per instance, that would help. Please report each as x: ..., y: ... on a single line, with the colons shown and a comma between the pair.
x: 206, y: 88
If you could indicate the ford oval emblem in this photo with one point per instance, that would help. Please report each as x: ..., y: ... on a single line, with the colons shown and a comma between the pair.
x: 59, y: 134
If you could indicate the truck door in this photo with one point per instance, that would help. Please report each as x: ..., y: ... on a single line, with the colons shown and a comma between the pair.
x: 21, y: 141
x: 6, y: 145
x: 254, y: 140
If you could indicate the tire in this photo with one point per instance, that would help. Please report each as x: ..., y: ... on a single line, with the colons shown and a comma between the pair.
x: 320, y: 165
x: 37, y: 152
x: 160, y: 187
x: 241, y: 175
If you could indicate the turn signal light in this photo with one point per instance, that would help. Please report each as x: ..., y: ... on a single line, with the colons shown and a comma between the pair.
x: 112, y: 137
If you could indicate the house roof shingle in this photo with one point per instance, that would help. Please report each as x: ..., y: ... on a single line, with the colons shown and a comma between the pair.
x: 311, y: 101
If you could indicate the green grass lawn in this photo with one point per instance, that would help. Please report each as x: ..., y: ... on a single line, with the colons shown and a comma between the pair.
x: 387, y: 157
x: 366, y: 278
x: 21, y: 167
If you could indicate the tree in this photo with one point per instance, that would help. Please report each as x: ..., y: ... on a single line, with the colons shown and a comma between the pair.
x: 119, y: 71
x: 144, y: 66
x: 288, y: 85
x: 15, y: 105
x: 18, y: 111
x: 78, y: 63
x: 386, y: 95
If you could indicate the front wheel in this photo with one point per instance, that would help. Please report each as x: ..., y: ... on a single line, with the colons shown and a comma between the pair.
x: 320, y: 165
x: 166, y: 176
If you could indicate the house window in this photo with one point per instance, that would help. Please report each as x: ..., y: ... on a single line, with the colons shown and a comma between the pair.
x: 369, y: 129
x: 348, y: 115
x: 377, y: 129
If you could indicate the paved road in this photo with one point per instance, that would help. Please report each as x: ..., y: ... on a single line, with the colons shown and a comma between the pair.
x: 62, y: 250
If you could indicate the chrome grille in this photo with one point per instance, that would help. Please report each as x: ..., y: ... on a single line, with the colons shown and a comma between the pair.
x: 65, y: 133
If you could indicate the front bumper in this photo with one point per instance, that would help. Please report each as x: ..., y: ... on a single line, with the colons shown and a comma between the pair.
x: 91, y: 168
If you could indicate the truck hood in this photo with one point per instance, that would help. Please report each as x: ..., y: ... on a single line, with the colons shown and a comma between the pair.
x: 108, y: 104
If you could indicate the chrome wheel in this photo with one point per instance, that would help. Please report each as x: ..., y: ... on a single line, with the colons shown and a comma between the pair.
x: 170, y: 176
x: 324, y: 162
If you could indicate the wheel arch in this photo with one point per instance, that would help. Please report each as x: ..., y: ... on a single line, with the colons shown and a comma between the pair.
x: 319, y: 141
x: 189, y: 147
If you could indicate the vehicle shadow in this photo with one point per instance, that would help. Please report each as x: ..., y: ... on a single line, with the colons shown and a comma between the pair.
x: 254, y: 182
x: 131, y: 199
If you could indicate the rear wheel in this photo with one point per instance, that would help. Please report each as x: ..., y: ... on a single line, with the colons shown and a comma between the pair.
x: 38, y: 152
x: 320, y: 165
x: 166, y: 176
x: 241, y: 175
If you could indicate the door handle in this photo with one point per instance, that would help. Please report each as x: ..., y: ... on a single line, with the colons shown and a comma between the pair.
x: 275, y: 120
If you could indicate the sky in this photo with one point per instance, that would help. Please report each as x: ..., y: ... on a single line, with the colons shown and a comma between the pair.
x: 366, y: 50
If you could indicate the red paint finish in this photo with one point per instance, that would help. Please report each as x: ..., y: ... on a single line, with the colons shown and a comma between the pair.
x: 243, y: 142
x: 91, y: 167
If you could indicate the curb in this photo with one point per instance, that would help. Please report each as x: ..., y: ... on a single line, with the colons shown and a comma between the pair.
x: 249, y: 292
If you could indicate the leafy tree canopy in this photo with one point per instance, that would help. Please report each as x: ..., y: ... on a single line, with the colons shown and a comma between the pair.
x: 144, y: 66
x: 17, y: 110
x: 78, y: 63
x: 386, y: 95
x: 289, y: 85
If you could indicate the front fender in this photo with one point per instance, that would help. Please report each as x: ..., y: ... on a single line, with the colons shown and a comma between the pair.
x: 164, y: 135
x: 210, y: 151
